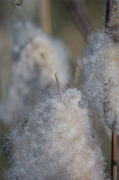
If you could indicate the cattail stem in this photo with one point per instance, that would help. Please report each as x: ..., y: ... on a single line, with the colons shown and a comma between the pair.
x: 112, y: 25
x: 45, y: 16
x: 20, y: 12
x: 107, y: 13
x: 114, y: 155
x: 117, y: 157
x: 79, y: 12
x: 112, y: 19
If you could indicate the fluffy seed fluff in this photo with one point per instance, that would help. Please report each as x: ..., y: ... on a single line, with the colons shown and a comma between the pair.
x: 34, y: 72
x: 57, y: 142
x: 22, y: 35
x: 99, y: 78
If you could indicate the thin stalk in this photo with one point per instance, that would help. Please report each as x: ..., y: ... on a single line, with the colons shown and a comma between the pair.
x: 107, y: 13
x: 111, y: 27
x: 79, y: 12
x: 117, y: 157
x: 112, y: 19
x: 20, y: 13
x: 114, y: 155
x: 45, y: 16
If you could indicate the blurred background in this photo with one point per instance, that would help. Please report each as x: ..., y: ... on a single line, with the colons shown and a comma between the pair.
x: 63, y: 23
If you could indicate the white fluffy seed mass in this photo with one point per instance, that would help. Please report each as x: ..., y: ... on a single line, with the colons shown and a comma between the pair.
x: 22, y: 34
x: 57, y: 142
x: 34, y: 74
x: 99, y: 78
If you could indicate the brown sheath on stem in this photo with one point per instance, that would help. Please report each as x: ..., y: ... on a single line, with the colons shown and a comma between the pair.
x: 45, y: 16
x: 112, y: 19
x: 114, y: 155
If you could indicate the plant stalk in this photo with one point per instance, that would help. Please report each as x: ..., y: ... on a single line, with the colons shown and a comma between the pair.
x: 112, y: 19
x: 20, y: 13
x: 45, y: 16
x: 114, y: 155
x: 79, y: 12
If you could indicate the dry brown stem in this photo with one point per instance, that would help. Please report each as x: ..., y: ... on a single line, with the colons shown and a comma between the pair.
x: 45, y: 16
x: 112, y: 19
x: 112, y: 26
x: 114, y: 154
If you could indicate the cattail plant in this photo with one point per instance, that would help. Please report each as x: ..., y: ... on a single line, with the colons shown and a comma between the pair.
x: 99, y: 76
x: 57, y: 142
x: 98, y: 67
x: 36, y: 59
x: 100, y: 73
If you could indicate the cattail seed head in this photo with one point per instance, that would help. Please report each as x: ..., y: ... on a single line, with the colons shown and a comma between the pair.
x: 99, y: 78
x: 57, y: 142
x: 34, y: 73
